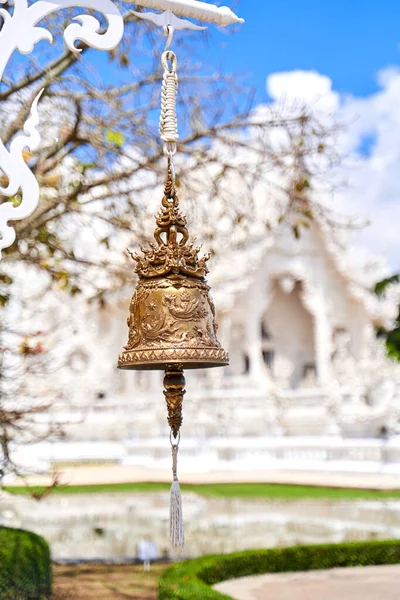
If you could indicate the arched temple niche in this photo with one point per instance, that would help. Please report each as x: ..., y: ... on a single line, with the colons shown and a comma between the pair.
x: 288, y: 327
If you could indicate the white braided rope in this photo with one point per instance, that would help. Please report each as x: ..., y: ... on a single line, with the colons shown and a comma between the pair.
x: 168, y: 121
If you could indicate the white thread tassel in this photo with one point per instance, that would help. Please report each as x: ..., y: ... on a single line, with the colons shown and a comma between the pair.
x: 175, y: 515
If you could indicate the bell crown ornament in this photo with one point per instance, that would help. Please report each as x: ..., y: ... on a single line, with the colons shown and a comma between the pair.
x: 172, y: 256
x: 172, y: 315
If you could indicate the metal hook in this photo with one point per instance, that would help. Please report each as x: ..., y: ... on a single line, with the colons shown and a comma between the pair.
x: 169, y: 31
x: 169, y: 56
x: 174, y: 440
x: 169, y: 149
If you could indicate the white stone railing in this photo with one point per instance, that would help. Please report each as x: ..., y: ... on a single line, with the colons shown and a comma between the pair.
x: 286, y: 453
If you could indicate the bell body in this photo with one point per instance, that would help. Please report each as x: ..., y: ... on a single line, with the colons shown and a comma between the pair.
x: 172, y: 322
x: 171, y: 319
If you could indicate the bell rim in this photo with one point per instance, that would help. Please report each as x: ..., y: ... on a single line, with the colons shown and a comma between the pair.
x: 156, y: 359
x: 162, y: 365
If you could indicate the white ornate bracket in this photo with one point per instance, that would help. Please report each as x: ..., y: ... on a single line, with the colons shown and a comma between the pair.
x: 20, y: 31
x: 202, y: 11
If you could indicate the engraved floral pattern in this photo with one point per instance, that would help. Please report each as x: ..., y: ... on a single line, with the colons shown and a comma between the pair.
x: 181, y: 318
x: 185, y: 307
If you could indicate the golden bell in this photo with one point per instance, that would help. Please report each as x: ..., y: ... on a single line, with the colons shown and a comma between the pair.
x: 172, y: 323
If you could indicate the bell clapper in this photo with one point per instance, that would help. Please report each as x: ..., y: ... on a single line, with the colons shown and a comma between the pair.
x: 174, y: 391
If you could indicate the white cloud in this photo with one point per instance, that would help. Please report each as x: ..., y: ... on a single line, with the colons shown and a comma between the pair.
x: 306, y: 87
x: 371, y: 143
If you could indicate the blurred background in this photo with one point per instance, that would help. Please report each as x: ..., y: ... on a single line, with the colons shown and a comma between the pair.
x: 287, y: 170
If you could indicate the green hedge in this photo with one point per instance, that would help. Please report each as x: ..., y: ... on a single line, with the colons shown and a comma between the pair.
x: 25, y: 566
x: 191, y: 580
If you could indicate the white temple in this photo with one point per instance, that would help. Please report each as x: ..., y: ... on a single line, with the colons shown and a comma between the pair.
x: 309, y: 384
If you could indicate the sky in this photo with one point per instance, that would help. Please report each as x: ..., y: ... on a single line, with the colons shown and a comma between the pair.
x: 343, y: 55
x: 348, y: 40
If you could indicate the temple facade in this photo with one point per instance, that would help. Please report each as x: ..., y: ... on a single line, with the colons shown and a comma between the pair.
x: 308, y: 384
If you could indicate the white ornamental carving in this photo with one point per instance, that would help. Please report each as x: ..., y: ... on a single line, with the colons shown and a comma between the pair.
x: 202, y: 11
x: 20, y: 31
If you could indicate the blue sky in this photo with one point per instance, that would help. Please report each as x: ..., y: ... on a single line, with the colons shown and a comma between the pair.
x: 349, y: 40
x: 353, y: 49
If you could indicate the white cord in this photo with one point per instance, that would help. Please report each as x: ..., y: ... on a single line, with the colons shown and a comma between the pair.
x: 168, y: 121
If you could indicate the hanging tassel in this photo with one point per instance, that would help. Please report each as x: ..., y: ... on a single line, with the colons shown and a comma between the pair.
x: 175, y: 515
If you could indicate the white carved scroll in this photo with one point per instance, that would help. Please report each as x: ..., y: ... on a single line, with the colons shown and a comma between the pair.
x: 20, y: 177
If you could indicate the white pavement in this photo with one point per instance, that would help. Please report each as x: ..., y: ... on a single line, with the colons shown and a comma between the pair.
x: 113, y: 474
x: 361, y: 583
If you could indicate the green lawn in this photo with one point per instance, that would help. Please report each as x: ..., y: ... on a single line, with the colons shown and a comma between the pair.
x: 228, y: 490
